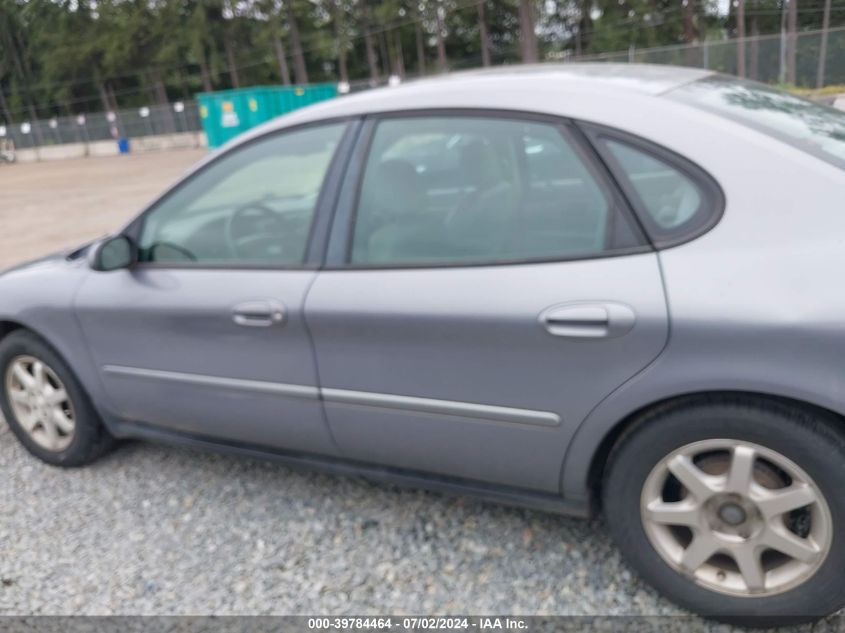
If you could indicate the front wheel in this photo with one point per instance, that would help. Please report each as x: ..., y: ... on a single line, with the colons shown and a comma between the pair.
x: 733, y: 508
x: 44, y: 404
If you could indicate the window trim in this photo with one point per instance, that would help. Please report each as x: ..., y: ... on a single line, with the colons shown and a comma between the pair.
x: 338, y: 254
x: 713, y: 196
x: 320, y: 222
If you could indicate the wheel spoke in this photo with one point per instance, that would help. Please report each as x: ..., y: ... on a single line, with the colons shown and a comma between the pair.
x: 741, y: 471
x: 27, y: 420
x: 784, y: 541
x: 692, y: 477
x: 61, y: 421
x: 698, y: 552
x: 50, y: 433
x: 55, y: 396
x: 748, y: 560
x: 24, y: 377
x: 778, y: 502
x: 684, y: 512
x: 38, y: 374
x: 19, y: 396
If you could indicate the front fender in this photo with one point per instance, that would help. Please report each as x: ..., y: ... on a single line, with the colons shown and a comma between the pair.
x: 39, y: 296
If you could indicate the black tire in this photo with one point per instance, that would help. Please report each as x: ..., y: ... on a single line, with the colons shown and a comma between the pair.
x: 90, y: 438
x: 808, y: 437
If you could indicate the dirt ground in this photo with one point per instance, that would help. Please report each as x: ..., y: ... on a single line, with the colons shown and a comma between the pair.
x: 48, y: 206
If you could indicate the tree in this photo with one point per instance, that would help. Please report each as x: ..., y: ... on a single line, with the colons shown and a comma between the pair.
x: 341, y: 40
x: 369, y: 46
x: 442, y: 62
x: 740, y: 38
x: 528, y: 38
x: 300, y: 71
x: 482, y: 34
x: 791, y: 40
x: 823, y: 45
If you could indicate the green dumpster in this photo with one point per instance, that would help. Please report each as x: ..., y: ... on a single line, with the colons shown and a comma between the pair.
x: 227, y: 113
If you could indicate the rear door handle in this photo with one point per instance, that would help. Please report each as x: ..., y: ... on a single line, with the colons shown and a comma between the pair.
x: 258, y: 313
x: 588, y: 320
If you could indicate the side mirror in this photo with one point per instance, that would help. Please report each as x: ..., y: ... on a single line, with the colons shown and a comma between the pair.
x: 113, y: 253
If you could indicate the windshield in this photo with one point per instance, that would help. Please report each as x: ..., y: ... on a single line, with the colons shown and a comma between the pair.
x: 813, y: 128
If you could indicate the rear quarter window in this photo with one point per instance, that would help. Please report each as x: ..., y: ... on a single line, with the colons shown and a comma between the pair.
x: 675, y: 199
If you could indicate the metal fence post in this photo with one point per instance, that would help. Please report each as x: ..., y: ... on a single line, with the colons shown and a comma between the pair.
x: 81, y: 121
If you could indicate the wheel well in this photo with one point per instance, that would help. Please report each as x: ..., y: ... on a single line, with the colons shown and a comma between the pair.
x: 7, y: 327
x: 629, y: 422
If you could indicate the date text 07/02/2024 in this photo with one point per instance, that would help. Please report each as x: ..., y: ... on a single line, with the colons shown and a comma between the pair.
x: 418, y: 623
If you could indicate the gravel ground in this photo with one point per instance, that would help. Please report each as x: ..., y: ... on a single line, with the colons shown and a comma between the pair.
x: 52, y: 205
x: 161, y: 530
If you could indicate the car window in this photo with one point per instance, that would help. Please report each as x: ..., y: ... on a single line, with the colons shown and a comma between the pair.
x: 670, y: 197
x: 812, y: 127
x: 474, y: 190
x: 252, y: 206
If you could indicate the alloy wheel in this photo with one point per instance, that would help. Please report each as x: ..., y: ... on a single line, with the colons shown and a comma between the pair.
x: 40, y: 403
x: 736, y: 517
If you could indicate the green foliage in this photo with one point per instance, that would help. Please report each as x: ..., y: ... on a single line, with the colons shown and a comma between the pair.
x: 60, y: 57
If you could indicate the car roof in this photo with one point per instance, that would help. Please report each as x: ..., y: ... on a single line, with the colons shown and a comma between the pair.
x: 536, y: 87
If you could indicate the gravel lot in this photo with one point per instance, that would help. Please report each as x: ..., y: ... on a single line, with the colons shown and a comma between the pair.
x: 161, y: 530
x: 52, y: 205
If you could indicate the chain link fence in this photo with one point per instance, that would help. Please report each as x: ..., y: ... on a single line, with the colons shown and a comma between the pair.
x: 159, y: 120
x: 766, y: 57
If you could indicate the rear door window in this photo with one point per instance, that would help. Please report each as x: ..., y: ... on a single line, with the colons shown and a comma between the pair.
x: 453, y: 190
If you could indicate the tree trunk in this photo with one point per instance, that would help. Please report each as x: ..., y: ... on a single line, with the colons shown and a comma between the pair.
x: 791, y: 41
x: 369, y: 45
x: 104, y: 97
x: 299, y: 69
x: 755, y: 48
x: 372, y: 63
x: 230, y: 58
x: 207, y: 86
x: 740, y: 37
x: 420, y: 50
x: 690, y: 33
x: 340, y: 36
x: 24, y: 77
x: 441, y: 42
x: 482, y: 34
x: 4, y: 106
x: 820, y: 72
x: 113, y: 99
x: 398, y: 55
x: 281, y: 59
x: 528, y: 39
x: 383, y: 52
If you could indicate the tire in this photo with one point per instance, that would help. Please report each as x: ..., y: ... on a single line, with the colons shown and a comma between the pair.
x: 84, y: 438
x: 786, y: 447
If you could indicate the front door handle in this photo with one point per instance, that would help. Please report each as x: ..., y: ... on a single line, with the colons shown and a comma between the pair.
x: 258, y: 313
x: 588, y: 320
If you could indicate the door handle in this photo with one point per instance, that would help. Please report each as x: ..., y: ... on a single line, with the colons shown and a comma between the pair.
x: 258, y: 313
x: 588, y: 320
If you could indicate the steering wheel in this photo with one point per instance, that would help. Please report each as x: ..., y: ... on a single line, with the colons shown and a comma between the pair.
x: 253, y: 228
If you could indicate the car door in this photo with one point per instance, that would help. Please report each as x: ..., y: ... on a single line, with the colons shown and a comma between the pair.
x: 485, y: 288
x: 206, y: 334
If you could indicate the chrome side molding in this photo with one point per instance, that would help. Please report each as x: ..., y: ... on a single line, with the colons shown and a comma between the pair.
x: 344, y: 396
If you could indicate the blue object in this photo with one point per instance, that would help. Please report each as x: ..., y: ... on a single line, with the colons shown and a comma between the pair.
x: 123, y: 145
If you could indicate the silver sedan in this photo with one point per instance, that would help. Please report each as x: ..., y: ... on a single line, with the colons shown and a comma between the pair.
x: 573, y: 288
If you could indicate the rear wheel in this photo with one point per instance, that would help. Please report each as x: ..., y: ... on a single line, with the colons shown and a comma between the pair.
x: 733, y: 508
x: 44, y: 404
